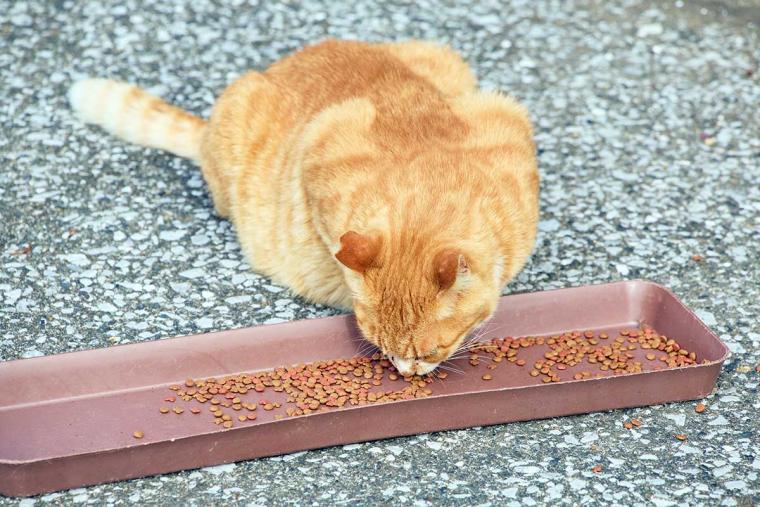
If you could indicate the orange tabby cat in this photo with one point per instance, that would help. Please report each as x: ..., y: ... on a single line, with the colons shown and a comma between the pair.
x: 366, y: 176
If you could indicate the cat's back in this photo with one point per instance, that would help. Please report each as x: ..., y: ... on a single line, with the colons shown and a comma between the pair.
x: 410, y: 85
x: 335, y: 70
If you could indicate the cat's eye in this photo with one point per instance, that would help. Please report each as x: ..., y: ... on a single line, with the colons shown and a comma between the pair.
x: 432, y: 352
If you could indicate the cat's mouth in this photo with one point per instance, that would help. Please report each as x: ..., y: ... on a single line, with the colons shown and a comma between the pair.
x: 408, y: 367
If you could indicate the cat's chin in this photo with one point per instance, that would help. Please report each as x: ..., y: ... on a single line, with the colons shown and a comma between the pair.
x: 412, y: 367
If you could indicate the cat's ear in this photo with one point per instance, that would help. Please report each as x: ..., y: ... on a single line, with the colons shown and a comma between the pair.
x: 358, y: 251
x: 449, y: 264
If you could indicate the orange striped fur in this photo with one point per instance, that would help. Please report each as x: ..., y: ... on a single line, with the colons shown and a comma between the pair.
x: 366, y: 176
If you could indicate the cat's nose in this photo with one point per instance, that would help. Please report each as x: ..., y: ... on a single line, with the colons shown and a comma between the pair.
x: 404, y: 366
x: 408, y: 367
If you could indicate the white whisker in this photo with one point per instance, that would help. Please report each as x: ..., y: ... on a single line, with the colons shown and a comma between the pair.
x: 460, y: 355
x: 479, y: 357
x: 367, y: 352
x: 365, y: 348
x: 483, y: 329
x: 450, y: 368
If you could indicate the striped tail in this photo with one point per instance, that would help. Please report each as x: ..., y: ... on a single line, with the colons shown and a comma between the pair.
x: 137, y: 116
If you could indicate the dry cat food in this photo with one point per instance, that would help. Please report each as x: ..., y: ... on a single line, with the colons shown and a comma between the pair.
x: 593, y: 351
x: 308, y: 388
x: 324, y: 385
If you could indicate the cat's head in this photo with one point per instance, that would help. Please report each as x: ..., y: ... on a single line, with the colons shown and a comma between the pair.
x: 417, y: 306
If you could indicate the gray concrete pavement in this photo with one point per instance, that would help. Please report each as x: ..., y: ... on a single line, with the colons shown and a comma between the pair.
x: 648, y: 128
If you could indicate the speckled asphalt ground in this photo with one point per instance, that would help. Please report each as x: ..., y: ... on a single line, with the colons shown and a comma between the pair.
x: 649, y: 135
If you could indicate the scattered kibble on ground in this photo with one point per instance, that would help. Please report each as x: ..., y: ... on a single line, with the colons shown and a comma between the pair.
x: 681, y: 436
x: 699, y: 408
x: 597, y: 469
x: 325, y: 385
x: 707, y: 138
x: 24, y: 250
x: 138, y: 434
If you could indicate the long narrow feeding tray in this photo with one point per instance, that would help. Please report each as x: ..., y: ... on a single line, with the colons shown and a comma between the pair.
x: 129, y: 411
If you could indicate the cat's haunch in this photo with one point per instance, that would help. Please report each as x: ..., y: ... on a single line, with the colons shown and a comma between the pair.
x: 368, y: 176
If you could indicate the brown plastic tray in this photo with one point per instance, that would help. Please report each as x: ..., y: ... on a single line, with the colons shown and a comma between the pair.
x: 67, y: 420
